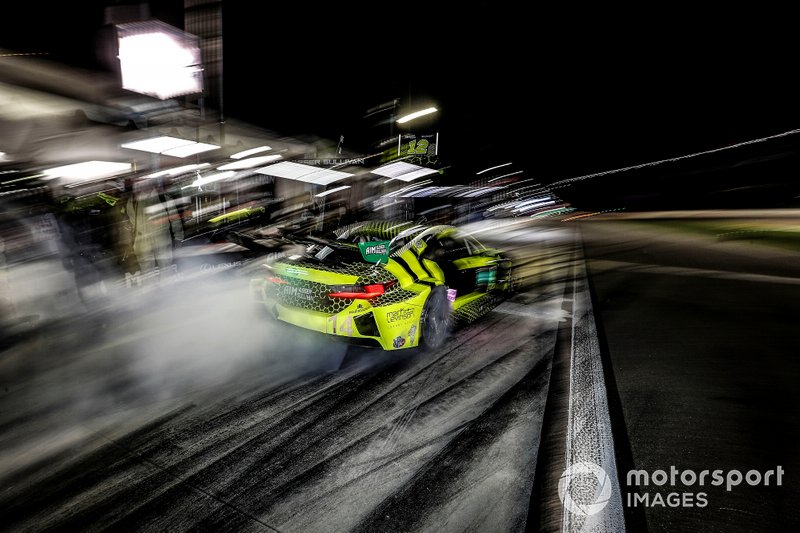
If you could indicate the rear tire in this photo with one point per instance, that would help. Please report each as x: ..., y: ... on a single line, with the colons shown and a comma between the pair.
x: 436, y: 322
x: 513, y: 285
x: 259, y: 307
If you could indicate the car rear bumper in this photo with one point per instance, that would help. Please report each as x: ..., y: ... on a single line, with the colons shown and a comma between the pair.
x: 392, y: 327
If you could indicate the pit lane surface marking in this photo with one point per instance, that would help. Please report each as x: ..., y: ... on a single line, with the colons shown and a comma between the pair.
x: 589, y: 438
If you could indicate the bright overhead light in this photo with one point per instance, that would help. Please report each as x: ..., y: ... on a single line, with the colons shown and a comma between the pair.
x: 157, y: 145
x: 416, y: 114
x: 403, y: 171
x: 88, y: 170
x: 250, y: 162
x: 189, y: 149
x: 305, y: 173
x: 172, y: 146
x: 159, y: 60
x: 251, y: 151
x: 331, y: 191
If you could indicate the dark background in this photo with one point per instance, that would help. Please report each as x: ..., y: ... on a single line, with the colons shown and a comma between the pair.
x: 562, y: 92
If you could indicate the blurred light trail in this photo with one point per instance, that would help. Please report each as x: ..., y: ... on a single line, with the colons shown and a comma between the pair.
x: 331, y: 191
x: 505, y: 176
x: 250, y: 162
x: 567, y: 181
x: 493, y: 168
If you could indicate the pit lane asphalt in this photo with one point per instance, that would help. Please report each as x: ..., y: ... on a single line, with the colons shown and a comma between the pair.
x: 701, y: 338
x: 180, y: 410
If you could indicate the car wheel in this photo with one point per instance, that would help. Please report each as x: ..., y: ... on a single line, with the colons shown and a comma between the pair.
x: 436, y: 323
x: 259, y: 307
x: 510, y: 277
x: 513, y: 281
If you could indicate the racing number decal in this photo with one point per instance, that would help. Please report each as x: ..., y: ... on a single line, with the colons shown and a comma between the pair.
x: 345, y: 327
x: 418, y: 147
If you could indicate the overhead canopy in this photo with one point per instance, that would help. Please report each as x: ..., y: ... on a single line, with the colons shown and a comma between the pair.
x: 400, y: 170
x: 305, y: 173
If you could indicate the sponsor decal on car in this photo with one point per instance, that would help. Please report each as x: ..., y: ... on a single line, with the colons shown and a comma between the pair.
x: 297, y: 292
x: 451, y: 294
x: 399, y: 342
x: 296, y: 271
x: 375, y: 252
x: 359, y: 308
x: 400, y: 314
x: 411, y: 333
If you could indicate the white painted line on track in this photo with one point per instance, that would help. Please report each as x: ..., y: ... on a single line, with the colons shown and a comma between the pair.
x: 597, y: 505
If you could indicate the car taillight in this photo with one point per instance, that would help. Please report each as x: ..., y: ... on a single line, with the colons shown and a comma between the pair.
x: 361, y: 292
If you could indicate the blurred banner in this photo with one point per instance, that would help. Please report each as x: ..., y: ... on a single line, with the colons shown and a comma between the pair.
x: 417, y: 148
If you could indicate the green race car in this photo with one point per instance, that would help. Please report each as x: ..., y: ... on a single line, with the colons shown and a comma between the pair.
x: 385, y: 284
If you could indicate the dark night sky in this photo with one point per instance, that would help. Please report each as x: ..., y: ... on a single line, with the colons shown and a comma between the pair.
x: 562, y: 91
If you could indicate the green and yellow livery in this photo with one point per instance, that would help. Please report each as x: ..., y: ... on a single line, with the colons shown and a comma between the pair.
x: 387, y: 284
